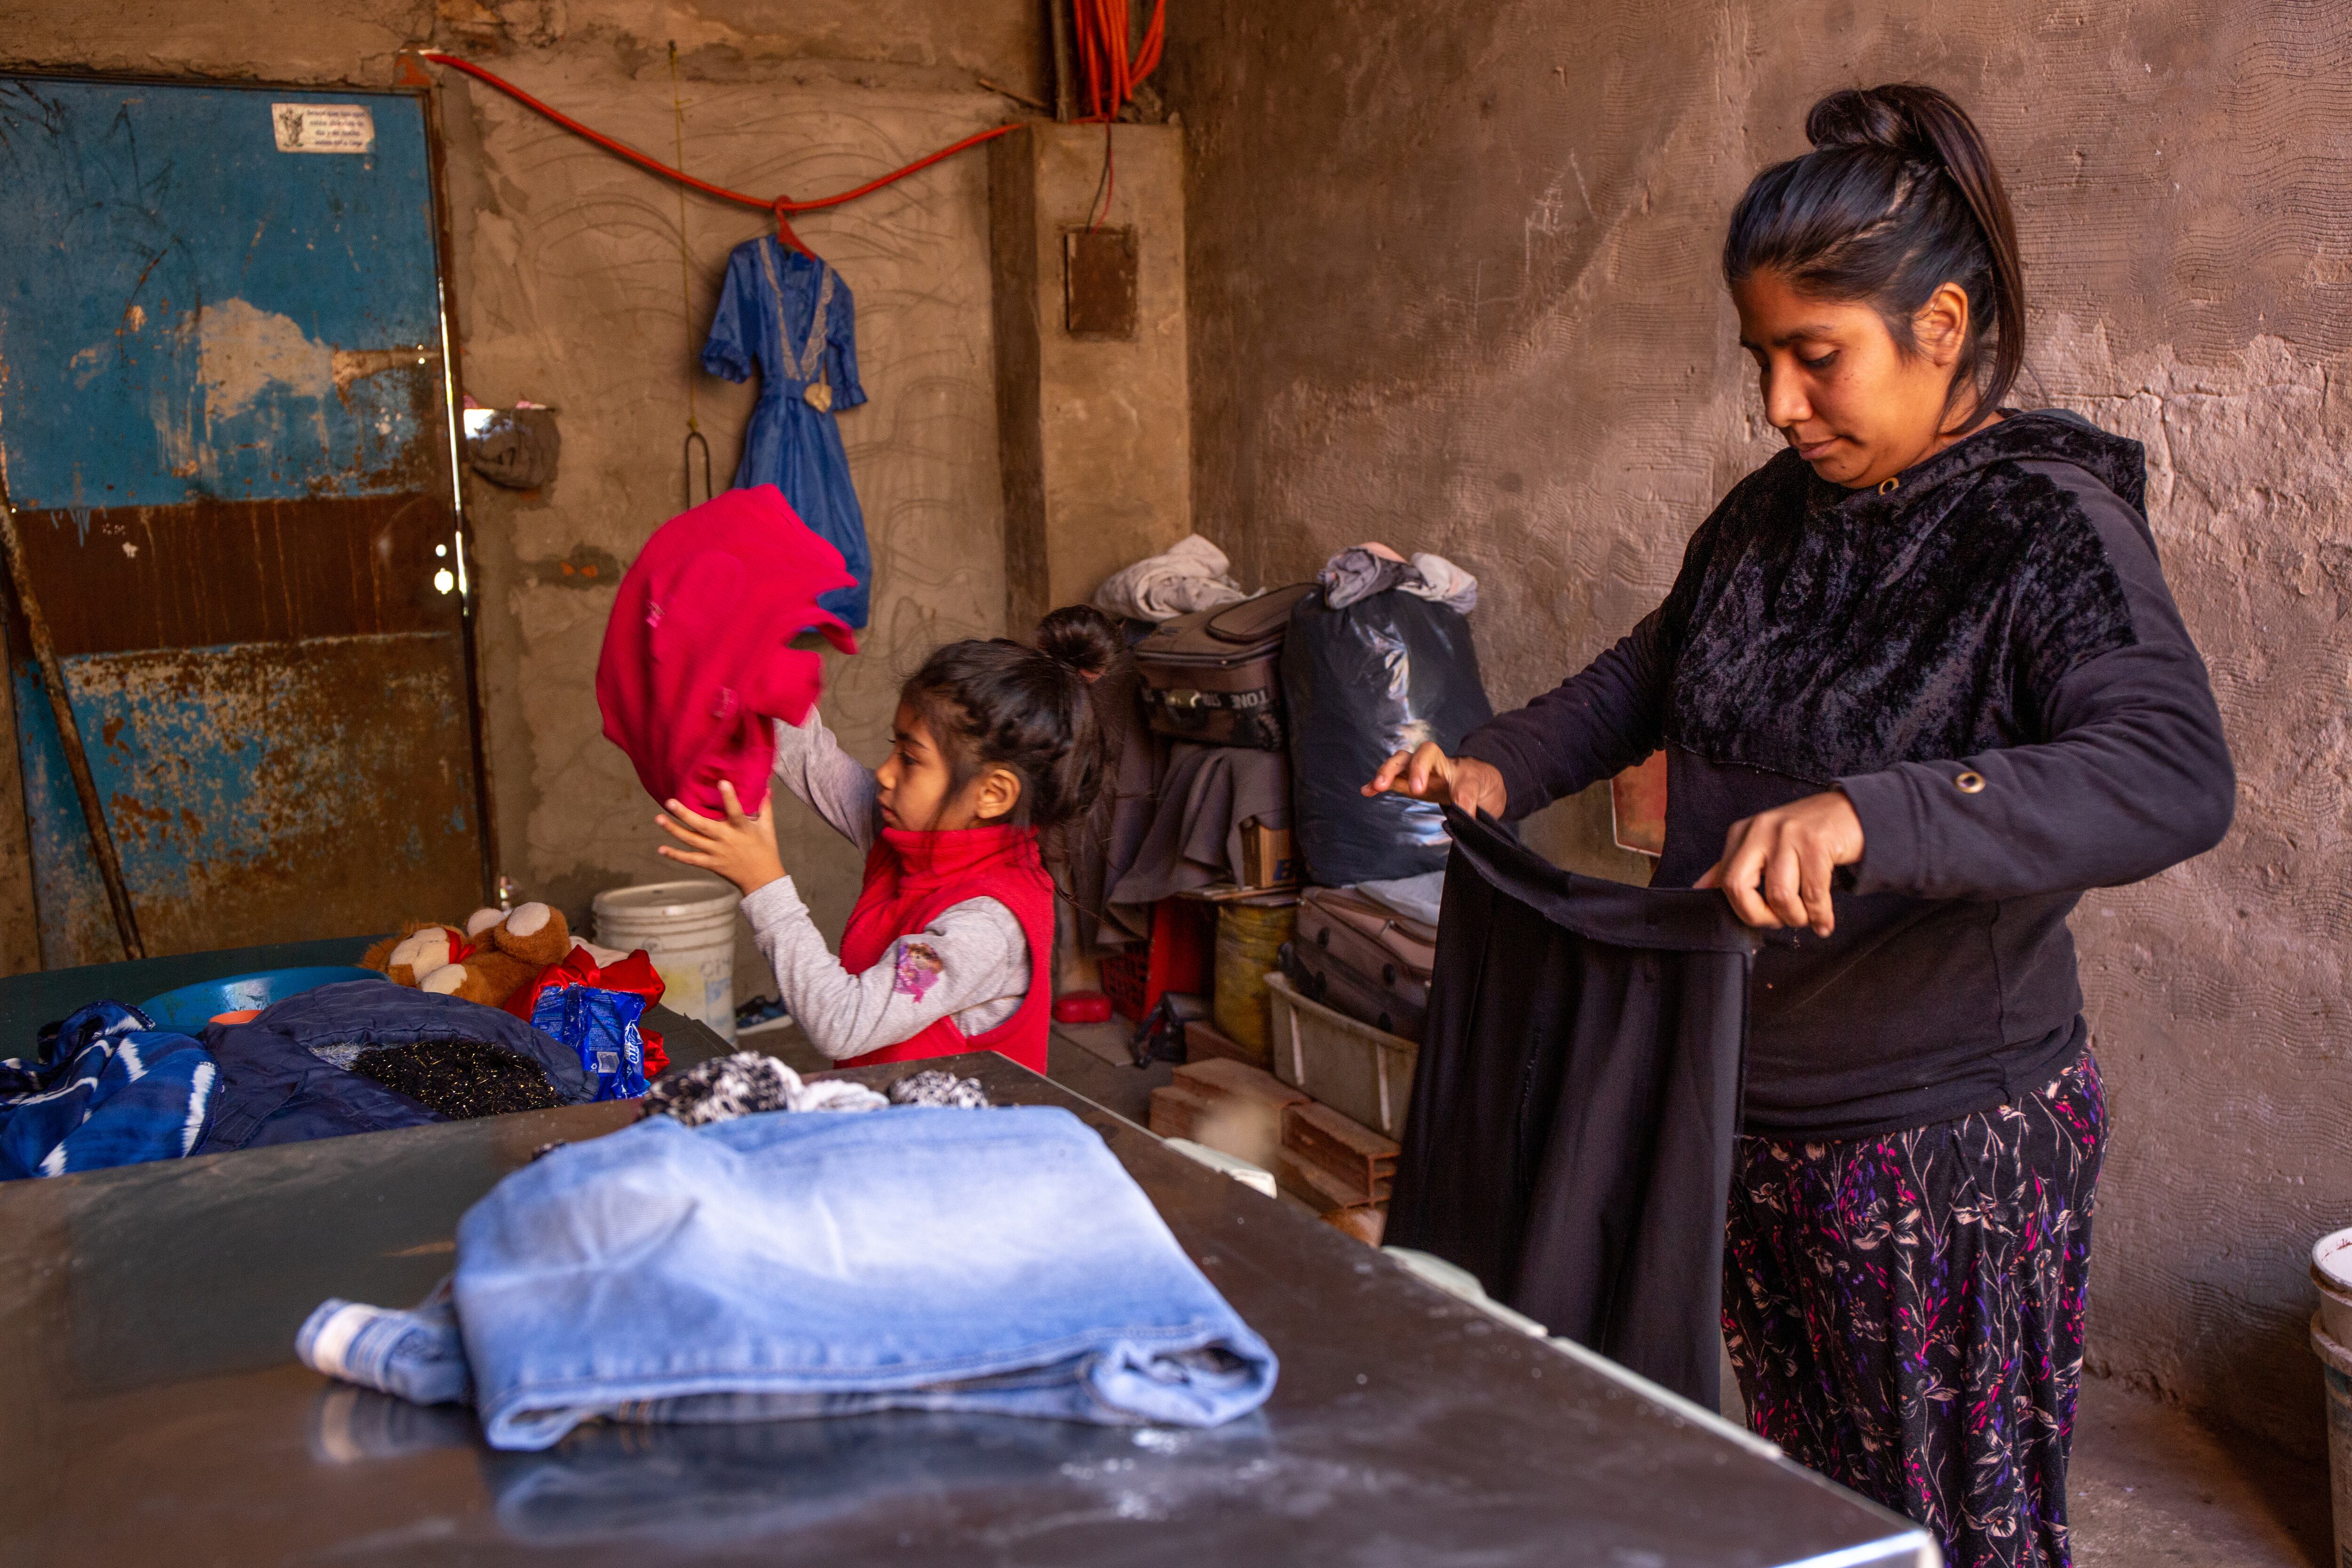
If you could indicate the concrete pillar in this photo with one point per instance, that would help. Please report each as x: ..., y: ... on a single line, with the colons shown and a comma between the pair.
x: 1094, y: 423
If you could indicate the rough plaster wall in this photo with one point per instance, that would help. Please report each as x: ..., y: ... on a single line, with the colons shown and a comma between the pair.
x: 568, y: 288
x: 577, y: 302
x: 1452, y: 285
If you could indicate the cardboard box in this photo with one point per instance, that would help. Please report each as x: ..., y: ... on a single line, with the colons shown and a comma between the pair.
x: 1268, y: 859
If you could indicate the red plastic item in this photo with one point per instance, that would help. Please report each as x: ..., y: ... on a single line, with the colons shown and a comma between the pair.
x: 1181, y: 956
x: 1124, y: 975
x: 1082, y: 1008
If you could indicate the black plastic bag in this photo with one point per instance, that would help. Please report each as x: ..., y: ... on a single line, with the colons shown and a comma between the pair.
x: 1382, y: 676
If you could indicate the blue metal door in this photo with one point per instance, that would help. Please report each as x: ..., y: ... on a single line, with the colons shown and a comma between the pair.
x: 226, y: 414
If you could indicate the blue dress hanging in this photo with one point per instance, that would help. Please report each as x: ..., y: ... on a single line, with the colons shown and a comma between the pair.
x: 789, y: 316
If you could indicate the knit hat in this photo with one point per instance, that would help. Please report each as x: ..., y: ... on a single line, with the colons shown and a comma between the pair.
x: 697, y: 657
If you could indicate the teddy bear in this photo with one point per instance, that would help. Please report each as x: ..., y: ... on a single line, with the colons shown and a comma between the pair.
x: 494, y: 955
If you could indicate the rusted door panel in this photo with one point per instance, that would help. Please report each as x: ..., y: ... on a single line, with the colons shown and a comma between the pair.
x: 258, y: 792
x: 231, y: 572
x: 225, y: 415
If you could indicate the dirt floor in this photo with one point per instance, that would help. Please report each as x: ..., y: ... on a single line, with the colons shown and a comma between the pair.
x: 2152, y: 1489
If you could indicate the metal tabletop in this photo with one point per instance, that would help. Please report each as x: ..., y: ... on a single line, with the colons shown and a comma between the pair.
x: 154, y: 1412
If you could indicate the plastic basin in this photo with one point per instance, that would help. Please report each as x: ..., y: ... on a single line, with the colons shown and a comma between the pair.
x: 193, y: 1007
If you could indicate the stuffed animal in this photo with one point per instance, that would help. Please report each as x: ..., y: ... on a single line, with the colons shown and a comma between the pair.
x: 492, y: 958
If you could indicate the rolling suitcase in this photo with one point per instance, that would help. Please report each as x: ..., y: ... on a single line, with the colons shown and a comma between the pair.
x: 1363, y: 959
x: 1213, y: 678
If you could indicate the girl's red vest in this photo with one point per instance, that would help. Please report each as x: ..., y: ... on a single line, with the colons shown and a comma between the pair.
x: 912, y: 879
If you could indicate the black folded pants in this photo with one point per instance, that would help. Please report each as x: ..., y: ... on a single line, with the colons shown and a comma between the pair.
x: 1570, y: 1139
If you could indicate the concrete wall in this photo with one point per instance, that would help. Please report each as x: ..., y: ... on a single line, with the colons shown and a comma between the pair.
x: 1452, y: 285
x: 569, y: 288
x: 1094, y: 431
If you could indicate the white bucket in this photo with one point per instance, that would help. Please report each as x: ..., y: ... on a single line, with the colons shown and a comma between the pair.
x: 2336, y: 1365
x: 2331, y: 1270
x: 688, y: 928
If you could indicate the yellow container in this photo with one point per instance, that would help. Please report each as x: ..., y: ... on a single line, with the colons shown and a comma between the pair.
x: 1247, y: 938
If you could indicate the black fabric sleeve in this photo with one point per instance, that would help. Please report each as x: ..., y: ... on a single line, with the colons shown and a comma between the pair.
x: 2135, y: 776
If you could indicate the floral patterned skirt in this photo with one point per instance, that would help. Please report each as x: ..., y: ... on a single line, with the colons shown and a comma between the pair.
x: 1906, y: 1312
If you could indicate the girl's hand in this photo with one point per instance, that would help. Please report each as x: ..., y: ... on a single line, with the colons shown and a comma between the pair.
x: 1775, y: 865
x: 1426, y: 772
x: 740, y: 848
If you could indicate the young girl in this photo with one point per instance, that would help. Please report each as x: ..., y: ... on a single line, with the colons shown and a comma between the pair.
x: 950, y: 947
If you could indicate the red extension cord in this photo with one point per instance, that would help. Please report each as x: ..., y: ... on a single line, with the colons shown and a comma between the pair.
x: 1111, y: 79
x: 779, y: 206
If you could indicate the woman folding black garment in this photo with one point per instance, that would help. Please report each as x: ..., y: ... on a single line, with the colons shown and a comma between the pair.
x: 1921, y: 683
x: 1570, y: 1138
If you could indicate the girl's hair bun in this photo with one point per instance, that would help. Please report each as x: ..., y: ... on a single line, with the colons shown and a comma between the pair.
x: 1080, y: 637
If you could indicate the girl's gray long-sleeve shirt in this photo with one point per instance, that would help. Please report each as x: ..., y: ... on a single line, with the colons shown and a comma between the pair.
x: 971, y: 963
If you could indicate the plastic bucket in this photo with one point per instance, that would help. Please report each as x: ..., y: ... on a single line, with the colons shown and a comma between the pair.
x: 688, y: 928
x: 2331, y: 1270
x: 2336, y: 1363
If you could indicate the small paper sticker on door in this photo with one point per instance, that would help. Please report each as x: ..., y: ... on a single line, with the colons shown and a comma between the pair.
x: 323, y: 127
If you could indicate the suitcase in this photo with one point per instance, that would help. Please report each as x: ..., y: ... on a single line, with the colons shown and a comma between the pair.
x: 1364, y: 959
x: 1376, y: 942
x: 1213, y: 678
x: 1320, y: 977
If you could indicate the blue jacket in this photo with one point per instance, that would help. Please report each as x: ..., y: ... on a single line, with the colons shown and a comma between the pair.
x: 105, y: 1089
x: 276, y: 1089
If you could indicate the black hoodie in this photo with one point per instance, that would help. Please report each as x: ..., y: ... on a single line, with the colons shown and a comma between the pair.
x: 1997, y: 615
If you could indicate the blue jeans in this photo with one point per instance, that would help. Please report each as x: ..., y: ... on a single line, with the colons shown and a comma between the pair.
x: 793, y: 1265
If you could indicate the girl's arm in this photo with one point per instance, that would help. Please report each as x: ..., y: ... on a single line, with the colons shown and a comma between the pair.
x: 971, y: 963
x: 838, y: 788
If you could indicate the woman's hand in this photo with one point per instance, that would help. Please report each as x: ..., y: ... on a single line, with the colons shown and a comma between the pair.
x: 740, y: 848
x: 1426, y: 772
x: 1775, y: 865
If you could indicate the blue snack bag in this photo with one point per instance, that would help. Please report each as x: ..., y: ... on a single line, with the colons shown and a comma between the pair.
x: 602, y: 1026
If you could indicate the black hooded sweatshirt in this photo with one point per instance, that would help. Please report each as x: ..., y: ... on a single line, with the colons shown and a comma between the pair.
x: 1983, y: 655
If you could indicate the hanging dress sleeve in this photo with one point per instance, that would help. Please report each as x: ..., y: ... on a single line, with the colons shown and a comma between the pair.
x: 732, y: 349
x: 841, y: 348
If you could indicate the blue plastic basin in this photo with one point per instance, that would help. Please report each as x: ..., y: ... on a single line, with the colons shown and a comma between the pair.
x: 191, y: 1007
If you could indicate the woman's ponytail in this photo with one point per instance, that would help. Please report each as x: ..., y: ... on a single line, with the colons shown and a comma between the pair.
x: 1898, y: 197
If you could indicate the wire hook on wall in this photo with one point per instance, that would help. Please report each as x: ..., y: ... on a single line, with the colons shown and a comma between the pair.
x: 693, y: 437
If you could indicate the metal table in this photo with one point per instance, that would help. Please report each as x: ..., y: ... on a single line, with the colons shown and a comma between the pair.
x: 154, y: 1412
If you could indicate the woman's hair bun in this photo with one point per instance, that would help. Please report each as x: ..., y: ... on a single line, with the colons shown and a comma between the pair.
x: 1884, y: 116
x: 1081, y: 637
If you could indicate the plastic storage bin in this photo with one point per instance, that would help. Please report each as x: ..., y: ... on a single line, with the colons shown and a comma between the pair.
x: 1356, y: 1069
